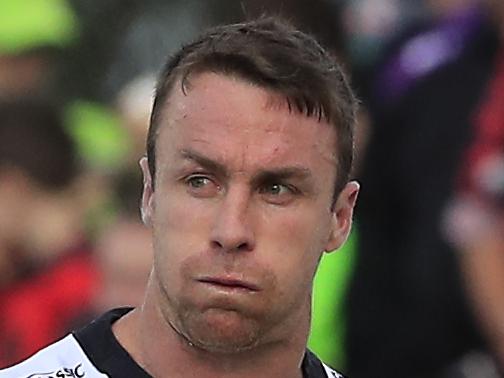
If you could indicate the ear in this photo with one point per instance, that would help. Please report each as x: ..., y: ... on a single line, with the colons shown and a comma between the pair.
x: 342, y: 216
x: 147, y: 204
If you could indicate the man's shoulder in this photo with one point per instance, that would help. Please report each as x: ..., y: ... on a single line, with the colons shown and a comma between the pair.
x: 64, y: 358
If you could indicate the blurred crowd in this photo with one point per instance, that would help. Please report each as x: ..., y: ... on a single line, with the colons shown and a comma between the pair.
x: 417, y: 291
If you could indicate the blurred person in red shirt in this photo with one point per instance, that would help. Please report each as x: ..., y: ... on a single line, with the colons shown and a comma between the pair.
x: 46, y: 274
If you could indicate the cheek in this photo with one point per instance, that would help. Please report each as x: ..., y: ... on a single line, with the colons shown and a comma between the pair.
x: 304, y: 228
x: 294, y: 242
x: 178, y: 219
x: 180, y: 231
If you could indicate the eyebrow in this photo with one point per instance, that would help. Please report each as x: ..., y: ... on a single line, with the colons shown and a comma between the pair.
x: 204, y: 162
x: 283, y: 173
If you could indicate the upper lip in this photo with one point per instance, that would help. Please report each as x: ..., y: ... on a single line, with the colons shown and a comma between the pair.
x: 230, y: 282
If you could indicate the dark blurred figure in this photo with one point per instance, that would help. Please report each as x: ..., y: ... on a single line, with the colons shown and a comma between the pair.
x: 46, y: 274
x: 408, y: 315
x: 475, y: 220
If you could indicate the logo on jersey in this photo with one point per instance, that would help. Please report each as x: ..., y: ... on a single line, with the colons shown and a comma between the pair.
x: 335, y: 374
x: 332, y: 373
x: 64, y: 372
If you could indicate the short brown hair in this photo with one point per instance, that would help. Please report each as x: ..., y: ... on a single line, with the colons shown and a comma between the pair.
x: 274, y: 55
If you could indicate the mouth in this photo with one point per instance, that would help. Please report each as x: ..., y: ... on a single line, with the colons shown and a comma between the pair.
x: 229, y: 283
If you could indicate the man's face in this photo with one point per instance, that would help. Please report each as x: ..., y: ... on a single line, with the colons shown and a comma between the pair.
x: 241, y: 212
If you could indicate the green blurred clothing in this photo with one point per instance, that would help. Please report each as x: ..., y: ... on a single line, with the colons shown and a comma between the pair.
x: 29, y: 24
x: 329, y: 291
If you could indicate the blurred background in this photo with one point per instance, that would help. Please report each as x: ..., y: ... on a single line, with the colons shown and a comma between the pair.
x: 418, y: 290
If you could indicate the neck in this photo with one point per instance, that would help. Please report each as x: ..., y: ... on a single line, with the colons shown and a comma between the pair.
x: 162, y: 352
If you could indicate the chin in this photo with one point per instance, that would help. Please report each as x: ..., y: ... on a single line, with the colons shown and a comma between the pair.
x: 221, y: 331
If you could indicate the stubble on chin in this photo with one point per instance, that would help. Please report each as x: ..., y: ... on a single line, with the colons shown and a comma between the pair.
x: 221, y: 331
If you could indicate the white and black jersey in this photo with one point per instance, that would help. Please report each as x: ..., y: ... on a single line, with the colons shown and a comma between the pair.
x: 94, y: 352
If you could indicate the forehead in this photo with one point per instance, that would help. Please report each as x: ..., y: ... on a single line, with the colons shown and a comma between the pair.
x: 229, y: 117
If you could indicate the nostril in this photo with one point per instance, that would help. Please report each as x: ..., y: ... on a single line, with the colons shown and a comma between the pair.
x: 216, y: 244
x: 243, y: 247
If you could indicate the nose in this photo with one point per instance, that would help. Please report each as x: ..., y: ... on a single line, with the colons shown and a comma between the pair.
x: 232, y: 229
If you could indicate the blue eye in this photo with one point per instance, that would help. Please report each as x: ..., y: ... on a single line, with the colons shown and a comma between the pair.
x: 276, y: 189
x: 201, y: 186
x: 278, y: 194
x: 197, y: 182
